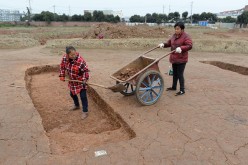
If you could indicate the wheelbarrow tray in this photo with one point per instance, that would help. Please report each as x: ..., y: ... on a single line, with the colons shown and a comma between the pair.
x: 133, y: 69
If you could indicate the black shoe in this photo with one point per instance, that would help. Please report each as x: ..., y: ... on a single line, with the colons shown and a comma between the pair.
x: 179, y: 93
x: 171, y: 89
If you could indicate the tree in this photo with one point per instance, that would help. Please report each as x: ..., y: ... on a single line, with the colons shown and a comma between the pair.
x: 136, y: 18
x: 98, y: 16
x: 196, y: 18
x: 112, y: 18
x: 163, y: 17
x: 185, y: 15
x: 243, y: 18
x: 117, y: 19
x: 171, y: 17
x: 149, y: 18
x: 212, y: 18
x: 63, y: 18
x: 156, y: 19
x: 240, y: 20
x: 38, y: 17
x: 87, y: 17
x: 77, y: 18
x: 228, y: 19
x: 47, y: 16
x: 176, y: 16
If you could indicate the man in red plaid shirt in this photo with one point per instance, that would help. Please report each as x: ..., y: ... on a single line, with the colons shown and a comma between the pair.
x: 75, y: 66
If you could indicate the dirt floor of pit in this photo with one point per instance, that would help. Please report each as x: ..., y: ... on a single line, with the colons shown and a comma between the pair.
x: 65, y: 129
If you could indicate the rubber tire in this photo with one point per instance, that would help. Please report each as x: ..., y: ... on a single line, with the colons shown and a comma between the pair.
x: 125, y: 93
x: 141, y: 80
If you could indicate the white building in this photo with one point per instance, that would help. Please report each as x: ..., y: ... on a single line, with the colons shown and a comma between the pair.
x: 9, y: 15
x: 106, y: 12
x: 232, y: 13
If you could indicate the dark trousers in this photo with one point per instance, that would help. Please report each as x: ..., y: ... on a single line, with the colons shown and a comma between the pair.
x: 84, y: 99
x: 178, y: 70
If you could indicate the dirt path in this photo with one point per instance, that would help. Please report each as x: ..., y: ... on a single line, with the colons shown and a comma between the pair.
x: 208, y: 125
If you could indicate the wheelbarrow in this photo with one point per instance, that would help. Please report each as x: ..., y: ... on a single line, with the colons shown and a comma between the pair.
x: 142, y: 78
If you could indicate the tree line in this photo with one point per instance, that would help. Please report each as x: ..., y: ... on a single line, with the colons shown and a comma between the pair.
x: 97, y: 16
x: 195, y: 18
x: 175, y: 16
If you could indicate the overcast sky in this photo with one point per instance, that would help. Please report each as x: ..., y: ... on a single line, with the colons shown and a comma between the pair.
x: 128, y: 7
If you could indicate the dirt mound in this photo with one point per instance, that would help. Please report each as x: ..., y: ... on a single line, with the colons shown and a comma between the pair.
x: 217, y: 34
x: 43, y: 39
x: 243, y: 30
x: 114, y: 31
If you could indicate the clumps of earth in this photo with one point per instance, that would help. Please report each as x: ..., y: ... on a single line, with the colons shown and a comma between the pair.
x: 115, y: 31
x: 127, y: 73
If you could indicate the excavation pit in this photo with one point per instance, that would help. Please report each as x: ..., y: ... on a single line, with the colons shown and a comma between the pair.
x: 226, y: 66
x: 65, y: 129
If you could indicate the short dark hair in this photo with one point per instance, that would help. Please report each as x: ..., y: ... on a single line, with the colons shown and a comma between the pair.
x: 68, y: 49
x: 180, y: 24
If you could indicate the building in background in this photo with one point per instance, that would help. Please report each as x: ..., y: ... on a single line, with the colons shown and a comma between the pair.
x: 232, y: 13
x: 106, y: 12
x: 9, y: 15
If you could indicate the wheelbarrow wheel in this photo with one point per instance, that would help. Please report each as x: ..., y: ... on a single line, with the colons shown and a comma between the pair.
x: 150, y: 87
x: 130, y: 89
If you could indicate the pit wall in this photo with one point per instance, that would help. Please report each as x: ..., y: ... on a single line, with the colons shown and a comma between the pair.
x: 95, y: 96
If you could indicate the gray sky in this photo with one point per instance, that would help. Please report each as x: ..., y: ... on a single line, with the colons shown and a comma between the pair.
x: 128, y: 7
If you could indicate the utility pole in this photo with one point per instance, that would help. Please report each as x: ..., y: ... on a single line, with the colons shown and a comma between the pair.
x: 163, y: 9
x: 30, y: 10
x: 169, y: 9
x: 54, y: 12
x: 69, y: 13
x: 191, y: 6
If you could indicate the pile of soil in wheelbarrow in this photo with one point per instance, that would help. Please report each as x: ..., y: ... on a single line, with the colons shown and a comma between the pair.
x: 127, y: 73
x: 114, y: 31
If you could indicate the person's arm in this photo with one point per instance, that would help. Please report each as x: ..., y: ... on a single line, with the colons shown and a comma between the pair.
x: 85, y: 71
x: 187, y: 45
x: 62, y: 67
x: 167, y: 44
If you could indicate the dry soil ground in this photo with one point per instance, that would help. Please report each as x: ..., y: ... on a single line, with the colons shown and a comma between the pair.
x: 208, y: 125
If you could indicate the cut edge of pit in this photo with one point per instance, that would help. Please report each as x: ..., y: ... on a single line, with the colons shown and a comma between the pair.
x: 227, y: 66
x: 114, y: 116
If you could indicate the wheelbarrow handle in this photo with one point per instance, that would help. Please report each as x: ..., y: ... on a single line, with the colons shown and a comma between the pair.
x: 165, y: 55
x: 150, y: 50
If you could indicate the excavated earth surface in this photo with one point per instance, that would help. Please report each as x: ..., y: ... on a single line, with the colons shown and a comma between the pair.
x: 207, y: 125
x: 65, y: 129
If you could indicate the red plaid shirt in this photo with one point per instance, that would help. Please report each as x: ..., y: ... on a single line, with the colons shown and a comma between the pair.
x: 76, y: 69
